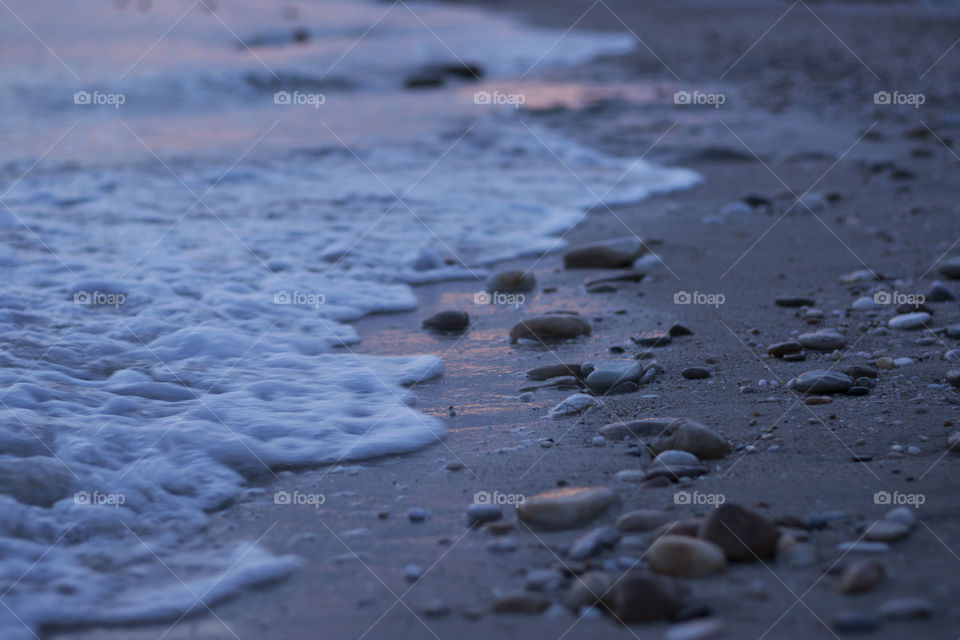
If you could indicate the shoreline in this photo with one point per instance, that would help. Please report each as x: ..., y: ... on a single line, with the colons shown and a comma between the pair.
x: 497, y: 437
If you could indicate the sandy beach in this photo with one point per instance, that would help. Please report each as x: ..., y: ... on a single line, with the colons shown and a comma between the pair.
x: 806, y: 181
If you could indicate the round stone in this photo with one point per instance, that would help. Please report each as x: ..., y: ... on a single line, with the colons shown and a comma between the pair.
x: 686, y: 557
x: 695, y: 373
x: 909, y: 321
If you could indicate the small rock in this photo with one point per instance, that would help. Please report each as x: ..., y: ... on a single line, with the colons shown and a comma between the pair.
x: 503, y: 545
x: 478, y: 514
x: 604, y: 375
x: 572, y: 405
x: 799, y: 554
x: 642, y: 520
x: 519, y: 602
x: 631, y: 475
x: 448, y: 321
x: 554, y: 371
x: 953, y: 377
x: 435, y: 608
x: 938, y: 292
x: 641, y: 596
x: 864, y: 303
x: 822, y: 340
x: 789, y: 301
x: 852, y: 621
x: 454, y: 465
x: 821, y: 381
x: 511, y: 281
x: 412, y: 572
x: 781, y: 349
x: 884, y: 363
x: 690, y: 436
x: 566, y: 508
x: 909, y: 321
x: 695, y: 373
x: 416, y: 514
x: 906, y: 609
x: 592, y: 542
x: 860, y: 576
x: 652, y: 338
x: 901, y: 515
x: 741, y: 533
x: 678, y: 330
x: 903, y: 362
x: 887, y: 531
x: 542, y: 580
x: 701, y: 629
x: 615, y: 254
x: 685, y: 557
x: 550, y: 328
x: 950, y: 268
x: 795, y: 356
x: 635, y: 429
x: 859, y: 371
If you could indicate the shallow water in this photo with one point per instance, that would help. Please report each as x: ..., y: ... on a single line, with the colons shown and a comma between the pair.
x: 183, y: 252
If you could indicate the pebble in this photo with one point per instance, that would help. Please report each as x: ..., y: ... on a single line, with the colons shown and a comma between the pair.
x: 642, y: 520
x: 586, y: 589
x: 861, y: 275
x: 853, y: 621
x: 906, y: 609
x: 604, y: 375
x: 511, y: 281
x: 478, y: 514
x: 859, y: 371
x: 631, y: 475
x: 953, y: 377
x: 789, y: 301
x: 864, y: 303
x: 435, y: 608
x: 614, y: 254
x: 953, y: 331
x: 551, y: 327
x: 454, y: 465
x: 542, y: 580
x: 592, y: 542
x: 695, y: 373
x: 938, y: 292
x: 503, y: 545
x: 781, y: 349
x: 448, y: 321
x: 953, y: 441
x: 554, y: 371
x: 572, y: 405
x: 799, y: 554
x: 641, y: 596
x: 860, y: 576
x: 796, y: 356
x: 884, y: 363
x: 638, y: 429
x: 416, y: 514
x: 741, y: 533
x: 412, y: 572
x: 863, y: 547
x: 909, y: 321
x: 822, y: 340
x: 652, y: 338
x: 685, y: 557
x: 903, y: 362
x: 950, y: 268
x: 566, y: 508
x: 901, y: 515
x: 887, y: 531
x: 701, y: 629
x: 821, y: 381
x: 690, y: 436
x: 519, y: 602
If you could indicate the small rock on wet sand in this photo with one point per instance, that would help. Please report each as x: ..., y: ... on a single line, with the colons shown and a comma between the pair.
x: 572, y: 405
x: 511, y: 281
x: 690, y: 436
x: 566, y: 508
x: 642, y: 520
x: 821, y: 381
x: 615, y: 254
x: 741, y: 533
x: 906, y: 609
x: 554, y: 371
x: 695, y: 373
x: 550, y: 327
x: 685, y: 557
x: 448, y: 321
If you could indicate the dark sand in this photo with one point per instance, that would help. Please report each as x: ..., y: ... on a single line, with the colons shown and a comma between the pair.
x: 798, y: 106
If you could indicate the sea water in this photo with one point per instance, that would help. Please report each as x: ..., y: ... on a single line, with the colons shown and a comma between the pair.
x: 194, y: 204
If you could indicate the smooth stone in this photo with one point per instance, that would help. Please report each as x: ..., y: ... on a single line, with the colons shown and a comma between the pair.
x: 887, y: 531
x: 566, y: 508
x: 551, y: 327
x: 852, y: 621
x: 901, y: 515
x: 953, y: 331
x: 638, y: 429
x: 652, y: 338
x: 938, y: 292
x: 448, y: 321
x: 953, y: 377
x: 626, y: 276
x: 641, y: 596
x: 909, y: 321
x: 781, y: 349
x: 588, y: 589
x: 614, y: 254
x: 795, y: 356
x: 675, y: 472
x: 821, y: 381
x: 673, y: 457
x: 554, y: 371
x: 511, y: 281
x: 519, y: 602
x: 906, y: 609
x: 684, y: 557
x: 864, y: 303
x: 740, y: 532
x: 822, y: 340
x: 412, y: 572
x: 542, y: 580
x: 903, y: 362
x: 950, y: 268
x: 631, y: 475
x: 795, y: 302
x: 858, y: 391
x: 689, y: 527
x: 690, y: 436
x: 592, y: 542
x: 860, y: 576
x: 482, y: 513
x: 860, y: 275
x: 678, y: 330
x: 571, y: 406
x: 701, y: 629
x: 417, y: 514
x: 640, y: 520
x: 695, y: 373
x: 859, y: 371
x: 603, y: 375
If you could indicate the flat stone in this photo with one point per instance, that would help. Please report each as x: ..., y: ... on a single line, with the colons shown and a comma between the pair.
x: 901, y: 515
x: 550, y: 328
x: 678, y: 330
x: 641, y: 596
x: 566, y: 508
x: 542, y: 580
x: 953, y: 331
x: 511, y: 281
x: 571, y: 406
x: 795, y: 356
x: 741, y: 533
x: 859, y: 371
x: 860, y: 576
x: 906, y: 609
x: 519, y: 602
x: 950, y: 268
x: 853, y: 621
x: 689, y: 527
x: 858, y: 391
x: 909, y: 321
x: 604, y: 375
x: 886, y: 531
x: 592, y: 542
x: 685, y: 557
x: 640, y: 520
x: 822, y: 340
x: 448, y: 321
x: 615, y: 254
x: 478, y: 514
x: 635, y: 429
x: 554, y: 371
x: 821, y: 381
x: 690, y: 436
x: 626, y: 276
x: 795, y: 302
x: 695, y: 373
x: 652, y: 338
x: 631, y: 475
x: 780, y: 349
